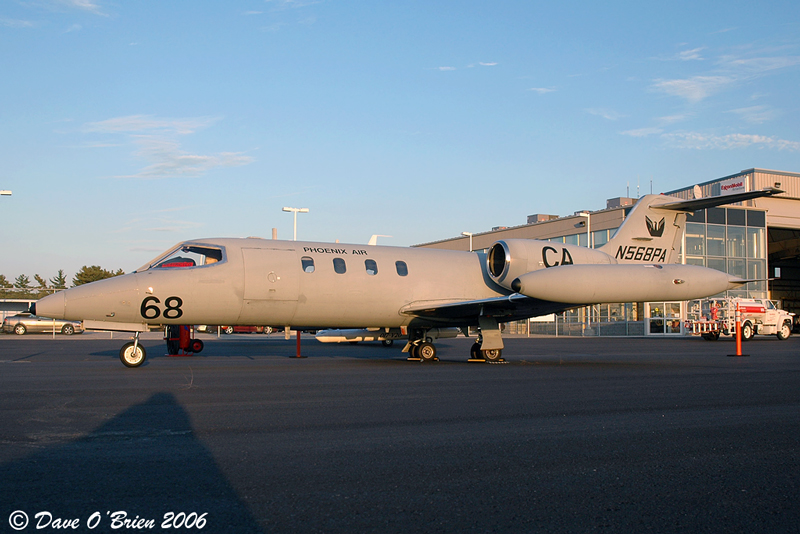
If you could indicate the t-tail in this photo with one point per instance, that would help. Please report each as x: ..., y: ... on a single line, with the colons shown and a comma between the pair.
x: 649, y: 234
x: 652, y: 231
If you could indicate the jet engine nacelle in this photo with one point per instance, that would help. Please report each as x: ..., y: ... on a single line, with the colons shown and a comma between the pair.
x: 511, y: 258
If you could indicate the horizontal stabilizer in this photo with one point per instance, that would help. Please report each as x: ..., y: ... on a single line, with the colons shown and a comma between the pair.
x: 710, y: 202
x: 592, y: 284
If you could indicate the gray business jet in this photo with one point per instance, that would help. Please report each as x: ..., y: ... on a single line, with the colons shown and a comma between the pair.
x: 420, y: 291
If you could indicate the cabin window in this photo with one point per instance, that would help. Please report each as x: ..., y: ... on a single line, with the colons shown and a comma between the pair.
x: 308, y: 264
x: 402, y: 268
x: 339, y: 266
x: 372, y: 267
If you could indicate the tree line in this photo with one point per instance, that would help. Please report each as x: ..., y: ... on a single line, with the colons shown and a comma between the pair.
x: 23, y: 288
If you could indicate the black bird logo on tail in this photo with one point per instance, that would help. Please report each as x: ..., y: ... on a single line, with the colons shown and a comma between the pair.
x: 656, y: 229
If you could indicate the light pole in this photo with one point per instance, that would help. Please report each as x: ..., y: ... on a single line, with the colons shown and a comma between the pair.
x: 588, y: 216
x: 468, y: 234
x: 588, y: 227
x: 296, y: 211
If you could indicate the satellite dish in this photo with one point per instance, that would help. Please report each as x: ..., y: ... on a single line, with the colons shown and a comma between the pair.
x: 698, y: 193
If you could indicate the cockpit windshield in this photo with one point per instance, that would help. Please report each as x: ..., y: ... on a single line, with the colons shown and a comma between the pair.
x: 187, y: 255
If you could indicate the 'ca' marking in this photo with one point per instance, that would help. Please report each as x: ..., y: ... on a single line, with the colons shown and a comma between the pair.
x: 566, y: 259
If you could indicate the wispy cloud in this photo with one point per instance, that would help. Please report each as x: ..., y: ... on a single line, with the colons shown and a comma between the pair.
x: 756, y: 114
x: 15, y: 23
x: 542, y: 90
x: 691, y: 55
x: 291, y: 4
x: 74, y: 28
x: 608, y: 114
x: 168, y: 160
x: 699, y: 141
x: 729, y: 70
x: 758, y: 65
x: 693, y: 89
x: 487, y: 64
x: 643, y: 132
x: 672, y: 119
x: 157, y: 143
x: 149, y: 123
x: 83, y: 5
x: 446, y: 68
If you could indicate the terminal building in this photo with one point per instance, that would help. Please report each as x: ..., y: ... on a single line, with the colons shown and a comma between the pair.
x: 755, y: 239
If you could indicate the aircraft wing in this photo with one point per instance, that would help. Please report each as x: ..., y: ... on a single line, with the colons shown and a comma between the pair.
x: 506, y: 308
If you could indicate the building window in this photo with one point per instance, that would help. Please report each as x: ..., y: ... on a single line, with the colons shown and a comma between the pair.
x: 371, y: 266
x: 715, y: 215
x: 402, y: 268
x: 339, y: 266
x: 755, y: 243
x: 308, y: 264
x: 715, y: 240
x: 756, y: 218
x: 736, y: 217
x: 736, y: 245
x: 599, y: 238
x: 695, y: 239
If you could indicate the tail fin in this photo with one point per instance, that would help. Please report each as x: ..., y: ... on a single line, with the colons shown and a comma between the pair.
x: 648, y: 234
x: 652, y: 231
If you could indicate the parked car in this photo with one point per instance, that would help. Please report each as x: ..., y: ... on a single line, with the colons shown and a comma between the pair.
x: 23, y: 323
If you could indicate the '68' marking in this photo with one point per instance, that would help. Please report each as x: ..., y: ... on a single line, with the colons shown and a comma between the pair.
x: 172, y: 308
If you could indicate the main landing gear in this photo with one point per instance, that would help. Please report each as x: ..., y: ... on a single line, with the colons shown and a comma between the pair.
x: 180, y: 341
x: 488, y: 348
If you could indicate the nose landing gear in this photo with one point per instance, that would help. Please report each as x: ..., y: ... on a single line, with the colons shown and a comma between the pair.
x: 132, y: 354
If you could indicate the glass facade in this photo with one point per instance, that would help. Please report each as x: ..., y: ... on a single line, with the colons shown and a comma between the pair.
x: 731, y: 240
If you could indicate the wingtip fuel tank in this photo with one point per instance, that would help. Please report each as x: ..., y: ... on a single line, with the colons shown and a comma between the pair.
x: 589, y: 284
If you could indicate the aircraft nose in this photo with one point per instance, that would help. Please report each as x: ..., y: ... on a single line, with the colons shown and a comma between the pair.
x: 51, y: 306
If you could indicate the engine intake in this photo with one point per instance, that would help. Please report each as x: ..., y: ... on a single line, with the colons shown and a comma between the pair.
x: 509, y: 259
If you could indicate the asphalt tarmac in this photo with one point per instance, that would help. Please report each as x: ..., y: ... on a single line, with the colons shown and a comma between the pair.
x: 571, y: 435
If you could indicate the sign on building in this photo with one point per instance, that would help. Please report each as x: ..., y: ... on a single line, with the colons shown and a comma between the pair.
x: 733, y: 185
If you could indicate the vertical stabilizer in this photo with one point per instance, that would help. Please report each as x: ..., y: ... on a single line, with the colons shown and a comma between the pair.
x: 648, y: 234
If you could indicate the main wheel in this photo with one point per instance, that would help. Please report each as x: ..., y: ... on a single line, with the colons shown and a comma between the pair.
x: 131, y: 358
x: 67, y: 329
x: 426, y: 352
x: 785, y: 331
x: 20, y: 329
x: 492, y: 355
x: 747, y: 331
x: 173, y: 341
x: 475, y: 352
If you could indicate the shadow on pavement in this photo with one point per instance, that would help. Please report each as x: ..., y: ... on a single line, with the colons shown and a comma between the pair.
x: 145, y: 462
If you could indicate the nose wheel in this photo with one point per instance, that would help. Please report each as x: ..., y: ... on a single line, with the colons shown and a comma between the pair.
x: 132, y: 354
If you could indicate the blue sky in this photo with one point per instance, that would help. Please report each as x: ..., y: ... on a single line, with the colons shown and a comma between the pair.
x: 129, y: 126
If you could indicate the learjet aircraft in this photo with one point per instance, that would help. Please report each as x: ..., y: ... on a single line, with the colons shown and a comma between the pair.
x: 420, y: 291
